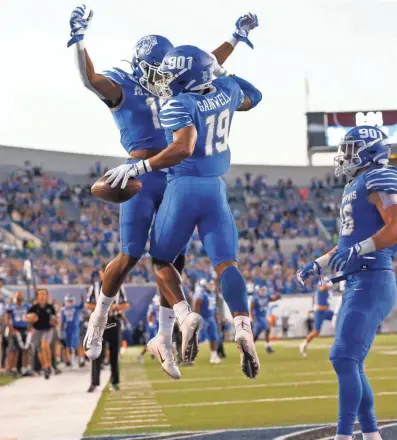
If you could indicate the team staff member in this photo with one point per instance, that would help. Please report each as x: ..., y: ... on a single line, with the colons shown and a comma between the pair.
x: 43, y: 316
x: 18, y: 341
x: 111, y: 335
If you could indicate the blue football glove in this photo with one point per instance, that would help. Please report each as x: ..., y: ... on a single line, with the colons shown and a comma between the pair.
x: 79, y: 22
x: 306, y: 271
x: 343, y: 257
x: 244, y: 26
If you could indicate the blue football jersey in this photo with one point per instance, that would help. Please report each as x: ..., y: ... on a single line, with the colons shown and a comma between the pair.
x: 211, y: 114
x: 322, y: 297
x: 208, y: 305
x: 137, y: 115
x: 360, y: 219
x: 70, y: 315
x: 260, y: 304
x: 18, y: 313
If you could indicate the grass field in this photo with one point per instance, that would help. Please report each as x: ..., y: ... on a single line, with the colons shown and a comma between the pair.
x: 5, y: 379
x: 289, y: 390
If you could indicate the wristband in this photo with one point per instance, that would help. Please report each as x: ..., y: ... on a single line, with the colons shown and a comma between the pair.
x: 323, y: 260
x: 367, y: 246
x: 233, y: 41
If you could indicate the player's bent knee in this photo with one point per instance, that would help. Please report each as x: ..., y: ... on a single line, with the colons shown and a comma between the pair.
x: 223, y: 266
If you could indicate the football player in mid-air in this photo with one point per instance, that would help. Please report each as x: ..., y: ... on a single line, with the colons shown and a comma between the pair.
x: 204, y: 303
x: 259, y: 313
x: 322, y: 312
x: 366, y: 248
x: 133, y: 101
x: 197, y: 119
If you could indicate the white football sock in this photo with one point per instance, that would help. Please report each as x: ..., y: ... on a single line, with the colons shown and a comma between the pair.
x: 343, y: 437
x: 214, y: 354
x: 242, y: 320
x: 372, y: 436
x: 182, y: 309
x: 103, y: 304
x: 166, y: 323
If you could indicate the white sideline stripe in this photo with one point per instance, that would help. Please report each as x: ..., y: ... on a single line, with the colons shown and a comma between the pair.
x: 307, y: 431
x: 359, y: 432
x: 264, y: 385
x: 133, y: 384
x: 193, y: 435
x: 280, y: 399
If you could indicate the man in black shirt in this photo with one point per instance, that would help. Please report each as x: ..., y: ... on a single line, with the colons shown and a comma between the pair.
x: 43, y: 317
x: 112, y: 335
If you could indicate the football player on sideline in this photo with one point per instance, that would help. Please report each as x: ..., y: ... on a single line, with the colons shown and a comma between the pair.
x: 133, y: 101
x: 366, y: 248
x: 197, y: 120
x: 322, y: 313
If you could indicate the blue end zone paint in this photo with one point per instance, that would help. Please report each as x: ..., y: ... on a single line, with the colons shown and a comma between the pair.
x: 389, y: 432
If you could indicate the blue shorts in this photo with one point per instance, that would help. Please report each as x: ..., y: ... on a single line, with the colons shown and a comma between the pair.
x: 72, y: 337
x: 189, y: 202
x: 369, y: 297
x: 136, y: 215
x: 320, y: 316
x: 211, y: 330
x: 260, y: 325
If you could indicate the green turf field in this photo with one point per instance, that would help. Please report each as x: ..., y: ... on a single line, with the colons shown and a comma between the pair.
x: 5, y: 379
x: 289, y: 390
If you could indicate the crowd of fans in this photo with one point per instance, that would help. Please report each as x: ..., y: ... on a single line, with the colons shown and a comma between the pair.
x: 79, y: 233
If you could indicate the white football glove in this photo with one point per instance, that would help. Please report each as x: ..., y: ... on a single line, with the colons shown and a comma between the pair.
x: 127, y: 171
x: 244, y: 26
x: 79, y: 22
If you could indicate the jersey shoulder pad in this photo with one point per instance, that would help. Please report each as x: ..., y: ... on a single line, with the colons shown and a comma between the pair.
x: 118, y: 76
x: 176, y: 113
x: 382, y: 179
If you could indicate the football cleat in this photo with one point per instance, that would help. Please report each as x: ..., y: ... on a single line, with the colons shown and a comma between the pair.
x: 190, y: 327
x: 93, y: 338
x: 215, y: 360
x: 245, y: 343
x: 269, y: 350
x: 303, y: 349
x: 140, y: 359
x: 165, y: 355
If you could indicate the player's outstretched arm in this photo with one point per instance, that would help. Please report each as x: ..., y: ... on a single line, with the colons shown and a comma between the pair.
x: 97, y: 83
x: 244, y: 25
x: 252, y: 96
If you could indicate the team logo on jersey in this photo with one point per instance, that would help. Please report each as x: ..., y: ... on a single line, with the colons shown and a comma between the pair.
x: 138, y: 91
x: 146, y: 44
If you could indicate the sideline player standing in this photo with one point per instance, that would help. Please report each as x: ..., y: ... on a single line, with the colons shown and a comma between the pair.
x: 322, y: 313
x: 135, y: 106
x: 204, y: 303
x: 70, y: 326
x: 197, y: 118
x: 366, y: 248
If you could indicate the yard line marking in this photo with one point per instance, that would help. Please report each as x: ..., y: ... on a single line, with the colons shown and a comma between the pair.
x: 133, y: 384
x: 265, y: 385
x: 137, y: 427
x: 280, y: 399
x: 135, y: 412
x: 134, y: 421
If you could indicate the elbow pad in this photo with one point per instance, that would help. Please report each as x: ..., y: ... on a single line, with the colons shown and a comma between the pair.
x: 248, y: 89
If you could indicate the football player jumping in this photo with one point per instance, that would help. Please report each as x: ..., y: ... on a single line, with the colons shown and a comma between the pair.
x: 197, y: 119
x: 133, y: 101
x: 366, y: 248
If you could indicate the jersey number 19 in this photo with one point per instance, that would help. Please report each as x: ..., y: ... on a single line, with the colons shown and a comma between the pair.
x: 217, y: 132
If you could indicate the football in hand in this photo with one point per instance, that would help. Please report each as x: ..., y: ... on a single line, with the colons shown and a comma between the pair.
x: 104, y: 191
